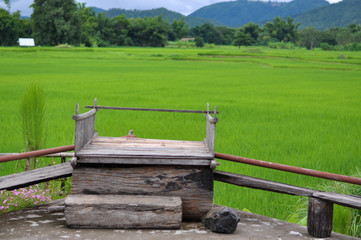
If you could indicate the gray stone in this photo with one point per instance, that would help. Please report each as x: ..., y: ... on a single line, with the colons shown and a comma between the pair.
x: 221, y: 220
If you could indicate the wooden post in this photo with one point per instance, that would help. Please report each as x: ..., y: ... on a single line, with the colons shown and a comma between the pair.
x: 211, y: 129
x: 319, y: 219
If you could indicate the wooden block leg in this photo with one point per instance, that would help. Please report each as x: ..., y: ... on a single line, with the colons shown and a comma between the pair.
x: 123, y: 211
x: 319, y: 220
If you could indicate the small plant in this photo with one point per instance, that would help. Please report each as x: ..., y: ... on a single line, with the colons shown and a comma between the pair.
x: 23, y: 197
x: 32, y: 109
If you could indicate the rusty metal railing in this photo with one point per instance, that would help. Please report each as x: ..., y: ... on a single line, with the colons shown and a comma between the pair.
x: 37, y: 153
x: 287, y: 168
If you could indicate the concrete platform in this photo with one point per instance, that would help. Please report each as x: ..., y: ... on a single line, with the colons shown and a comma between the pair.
x: 48, y: 222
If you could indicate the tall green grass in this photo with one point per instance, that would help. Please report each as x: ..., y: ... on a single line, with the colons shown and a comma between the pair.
x: 32, y: 110
x: 294, y: 107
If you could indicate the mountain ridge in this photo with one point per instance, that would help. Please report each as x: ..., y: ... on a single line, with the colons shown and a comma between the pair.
x: 309, y: 13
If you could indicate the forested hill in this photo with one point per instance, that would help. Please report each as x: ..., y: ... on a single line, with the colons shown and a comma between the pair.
x: 241, y: 12
x: 168, y: 15
x: 335, y: 15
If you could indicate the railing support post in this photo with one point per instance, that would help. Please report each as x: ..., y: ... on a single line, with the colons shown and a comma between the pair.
x: 319, y: 218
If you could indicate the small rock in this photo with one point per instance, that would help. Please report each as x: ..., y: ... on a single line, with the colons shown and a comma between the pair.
x: 221, y: 220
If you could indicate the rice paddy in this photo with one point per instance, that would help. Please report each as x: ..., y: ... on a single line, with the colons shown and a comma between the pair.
x: 296, y: 107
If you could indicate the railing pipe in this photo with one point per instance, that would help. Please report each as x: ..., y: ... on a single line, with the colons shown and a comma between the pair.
x: 286, y: 168
x: 148, y: 109
x: 36, y: 153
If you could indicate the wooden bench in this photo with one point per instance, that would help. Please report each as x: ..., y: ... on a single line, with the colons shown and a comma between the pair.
x: 320, y: 208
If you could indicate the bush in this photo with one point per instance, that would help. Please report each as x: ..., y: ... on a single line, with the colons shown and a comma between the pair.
x: 64, y: 46
x: 281, y: 45
x: 199, y: 41
x: 353, y: 47
x: 327, y: 47
x: 349, y: 47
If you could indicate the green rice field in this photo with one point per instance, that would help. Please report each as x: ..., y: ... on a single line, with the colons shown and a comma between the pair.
x: 295, y: 107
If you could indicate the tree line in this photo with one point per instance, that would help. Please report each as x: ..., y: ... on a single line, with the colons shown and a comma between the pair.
x: 55, y: 22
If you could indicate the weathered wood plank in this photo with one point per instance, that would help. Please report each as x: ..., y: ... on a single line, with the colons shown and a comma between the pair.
x: 32, y: 177
x: 84, y: 129
x: 115, y: 211
x: 194, y: 185
x: 145, y: 148
x: 319, y: 218
x: 86, y: 115
x: 145, y: 154
x: 251, y: 182
x: 90, y: 147
x: 340, y: 199
x: 142, y: 161
x: 145, y: 141
x: 148, y: 145
x: 211, y: 133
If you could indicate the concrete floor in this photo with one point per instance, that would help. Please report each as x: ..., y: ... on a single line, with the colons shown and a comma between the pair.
x: 48, y: 222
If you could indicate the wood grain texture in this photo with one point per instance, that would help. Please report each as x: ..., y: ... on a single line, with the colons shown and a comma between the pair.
x: 142, y: 161
x: 123, y: 147
x: 84, y: 129
x: 115, y: 211
x: 319, y: 218
x: 194, y: 185
x: 340, y: 199
x: 251, y: 182
x: 32, y: 177
x: 211, y: 133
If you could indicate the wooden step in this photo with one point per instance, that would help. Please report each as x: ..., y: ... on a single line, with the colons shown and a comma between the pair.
x: 123, y: 211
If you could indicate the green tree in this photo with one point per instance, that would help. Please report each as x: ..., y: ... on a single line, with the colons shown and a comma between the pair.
x: 242, y: 39
x: 121, y: 27
x: 310, y: 38
x: 179, y: 29
x: 7, y: 33
x: 55, y: 22
x: 209, y: 33
x: 252, y: 29
x: 12, y: 27
x: 149, y: 32
x: 86, y: 16
x: 104, y: 31
x: 354, y: 28
x: 282, y: 30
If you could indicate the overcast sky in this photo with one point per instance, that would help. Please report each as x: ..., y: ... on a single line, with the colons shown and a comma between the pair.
x: 182, y: 6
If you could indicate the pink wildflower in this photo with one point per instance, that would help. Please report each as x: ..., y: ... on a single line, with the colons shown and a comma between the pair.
x: 16, y: 193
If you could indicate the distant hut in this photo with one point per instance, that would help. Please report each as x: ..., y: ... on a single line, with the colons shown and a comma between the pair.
x: 26, y: 42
